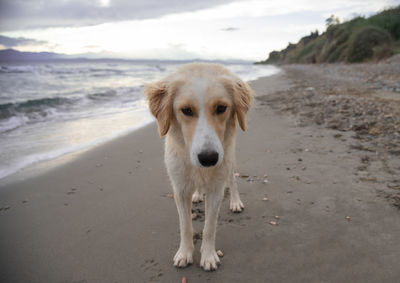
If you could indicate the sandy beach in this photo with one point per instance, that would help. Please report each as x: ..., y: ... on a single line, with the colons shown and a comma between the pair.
x: 321, y: 196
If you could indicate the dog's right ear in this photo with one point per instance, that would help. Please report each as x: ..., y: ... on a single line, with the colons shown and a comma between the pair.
x: 160, y: 104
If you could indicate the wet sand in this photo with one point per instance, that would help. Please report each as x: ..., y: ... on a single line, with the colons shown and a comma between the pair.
x: 311, y: 214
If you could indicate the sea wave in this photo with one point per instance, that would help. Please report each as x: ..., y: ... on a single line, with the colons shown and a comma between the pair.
x: 17, y: 114
x: 33, y: 107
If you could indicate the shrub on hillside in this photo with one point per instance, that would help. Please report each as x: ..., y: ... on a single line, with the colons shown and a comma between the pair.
x: 364, y: 41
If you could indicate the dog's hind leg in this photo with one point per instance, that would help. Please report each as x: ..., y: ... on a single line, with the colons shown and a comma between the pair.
x: 184, y: 255
x: 236, y: 205
x: 198, y: 196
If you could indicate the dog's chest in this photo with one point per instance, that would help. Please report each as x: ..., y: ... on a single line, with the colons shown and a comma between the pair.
x: 182, y: 172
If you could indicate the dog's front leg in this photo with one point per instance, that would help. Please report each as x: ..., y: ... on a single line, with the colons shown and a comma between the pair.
x: 236, y: 205
x: 184, y: 255
x: 209, y: 258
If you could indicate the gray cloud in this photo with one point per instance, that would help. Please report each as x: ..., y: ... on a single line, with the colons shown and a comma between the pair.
x: 10, y: 42
x: 24, y: 14
x: 230, y: 29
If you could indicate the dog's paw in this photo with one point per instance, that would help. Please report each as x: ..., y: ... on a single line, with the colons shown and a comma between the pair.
x: 197, y: 197
x: 236, y: 205
x: 209, y: 260
x: 183, y: 257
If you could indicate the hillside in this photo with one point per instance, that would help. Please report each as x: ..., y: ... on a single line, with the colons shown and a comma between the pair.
x: 358, y: 40
x: 14, y: 55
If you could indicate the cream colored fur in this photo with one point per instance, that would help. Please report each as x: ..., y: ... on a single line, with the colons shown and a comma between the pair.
x: 200, y: 88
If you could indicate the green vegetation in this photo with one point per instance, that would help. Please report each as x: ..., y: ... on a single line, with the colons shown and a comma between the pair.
x: 358, y: 40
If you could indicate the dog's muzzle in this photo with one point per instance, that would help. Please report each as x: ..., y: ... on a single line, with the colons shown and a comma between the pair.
x: 208, y: 158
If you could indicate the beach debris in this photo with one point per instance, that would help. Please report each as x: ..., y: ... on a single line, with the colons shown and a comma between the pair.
x: 303, y: 168
x: 295, y: 178
x: 250, y: 179
x: 220, y: 253
x: 348, y: 218
x: 265, y: 199
x: 184, y: 280
x: 372, y: 179
x: 244, y: 176
x: 236, y: 174
x: 24, y: 201
x: 273, y: 223
x: 365, y: 159
x: 393, y: 186
x: 300, y: 160
x: 194, y: 216
x: 168, y: 195
x: 277, y: 217
x: 265, y: 181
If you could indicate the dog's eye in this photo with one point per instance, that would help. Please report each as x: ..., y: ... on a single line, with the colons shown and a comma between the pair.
x: 187, y: 111
x: 220, y: 109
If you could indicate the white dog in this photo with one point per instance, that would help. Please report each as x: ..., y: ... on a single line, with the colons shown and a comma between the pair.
x: 197, y: 108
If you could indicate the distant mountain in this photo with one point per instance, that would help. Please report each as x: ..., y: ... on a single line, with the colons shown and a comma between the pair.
x: 358, y: 40
x: 14, y: 55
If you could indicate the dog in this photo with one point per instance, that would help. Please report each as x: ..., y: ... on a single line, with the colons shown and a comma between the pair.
x: 197, y: 108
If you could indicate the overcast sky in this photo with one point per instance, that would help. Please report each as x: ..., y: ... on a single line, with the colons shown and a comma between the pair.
x: 169, y: 29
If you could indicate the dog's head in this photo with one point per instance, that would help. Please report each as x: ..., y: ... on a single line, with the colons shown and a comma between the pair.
x: 202, y: 103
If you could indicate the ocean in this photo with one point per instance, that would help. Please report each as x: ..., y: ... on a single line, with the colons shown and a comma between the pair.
x: 50, y: 109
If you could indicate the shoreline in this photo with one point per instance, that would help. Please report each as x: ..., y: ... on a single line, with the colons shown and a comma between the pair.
x: 108, y: 215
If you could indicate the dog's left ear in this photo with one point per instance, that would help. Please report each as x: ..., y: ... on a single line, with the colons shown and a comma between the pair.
x: 242, y: 96
x: 160, y: 104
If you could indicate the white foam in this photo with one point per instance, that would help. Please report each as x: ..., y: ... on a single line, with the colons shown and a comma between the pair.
x: 13, y: 123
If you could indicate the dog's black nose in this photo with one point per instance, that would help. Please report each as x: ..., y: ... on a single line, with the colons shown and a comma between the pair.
x: 208, y: 158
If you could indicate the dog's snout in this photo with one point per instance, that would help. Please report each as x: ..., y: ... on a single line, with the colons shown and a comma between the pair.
x: 208, y: 158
